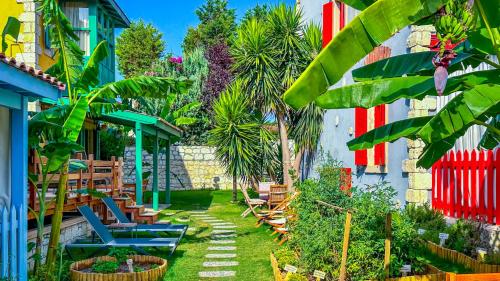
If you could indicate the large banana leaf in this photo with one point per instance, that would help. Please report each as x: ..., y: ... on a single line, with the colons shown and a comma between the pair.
x: 478, y: 103
x: 388, y: 133
x: 58, y: 153
x: 434, y: 151
x: 369, y: 29
x: 359, y: 4
x: 74, y: 121
x: 415, y: 64
x: 490, y: 139
x: 145, y: 86
x: 89, y: 78
x: 384, y: 91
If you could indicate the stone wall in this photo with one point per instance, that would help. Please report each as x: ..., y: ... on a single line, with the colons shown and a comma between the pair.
x: 71, y: 229
x: 419, y: 180
x: 191, y: 167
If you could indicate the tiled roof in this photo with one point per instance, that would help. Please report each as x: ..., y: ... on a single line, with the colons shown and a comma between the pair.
x: 32, y: 71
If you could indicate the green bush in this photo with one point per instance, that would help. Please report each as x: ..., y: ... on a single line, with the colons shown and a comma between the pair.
x: 295, y: 277
x: 318, y: 232
x: 102, y: 266
x: 284, y: 255
x: 113, y: 141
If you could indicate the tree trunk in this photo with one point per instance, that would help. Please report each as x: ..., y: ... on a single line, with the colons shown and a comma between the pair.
x: 235, y: 189
x: 55, y: 231
x: 298, y: 161
x: 285, y: 150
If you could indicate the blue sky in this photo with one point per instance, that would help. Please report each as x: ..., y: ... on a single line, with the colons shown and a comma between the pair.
x: 173, y: 17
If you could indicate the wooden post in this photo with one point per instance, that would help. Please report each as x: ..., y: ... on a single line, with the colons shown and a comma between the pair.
x: 155, y: 172
x: 114, y: 179
x: 138, y: 163
x: 388, y: 238
x: 345, y: 246
x: 167, y: 173
x: 120, y: 175
x: 79, y: 181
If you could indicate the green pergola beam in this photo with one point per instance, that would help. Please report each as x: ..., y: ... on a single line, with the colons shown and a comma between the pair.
x: 155, y: 173
x: 167, y: 173
x: 138, y: 163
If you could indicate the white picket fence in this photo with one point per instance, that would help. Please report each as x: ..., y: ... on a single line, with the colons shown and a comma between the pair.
x: 13, y: 247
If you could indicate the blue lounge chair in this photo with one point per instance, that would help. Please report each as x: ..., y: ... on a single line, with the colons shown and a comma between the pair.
x: 122, y: 218
x: 108, y: 240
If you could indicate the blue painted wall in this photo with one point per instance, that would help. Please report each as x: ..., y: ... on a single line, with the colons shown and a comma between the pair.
x: 335, y: 136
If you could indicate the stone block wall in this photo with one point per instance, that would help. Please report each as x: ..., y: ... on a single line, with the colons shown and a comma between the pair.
x: 419, y: 180
x: 191, y: 167
x: 71, y: 229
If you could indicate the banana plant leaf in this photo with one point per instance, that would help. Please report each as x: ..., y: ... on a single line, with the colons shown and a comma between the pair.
x: 416, y: 64
x: 77, y: 165
x: 74, y: 122
x: 369, y: 29
x: 434, y: 151
x: 359, y: 4
x: 478, y: 103
x: 384, y: 91
x: 12, y: 28
x: 389, y: 133
x: 58, y: 153
x: 89, y: 78
x: 490, y: 139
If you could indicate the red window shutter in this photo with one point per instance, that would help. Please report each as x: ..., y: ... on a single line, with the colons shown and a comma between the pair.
x: 379, y: 148
x: 327, y: 23
x: 360, y: 127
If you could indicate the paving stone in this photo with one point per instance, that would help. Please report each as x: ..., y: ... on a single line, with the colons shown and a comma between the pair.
x: 222, y: 223
x: 220, y: 263
x: 217, y: 231
x: 216, y: 236
x: 198, y: 212
x: 220, y: 256
x: 222, y: 248
x: 215, y: 274
x: 225, y: 226
x: 202, y: 216
x: 222, y: 241
x: 211, y: 220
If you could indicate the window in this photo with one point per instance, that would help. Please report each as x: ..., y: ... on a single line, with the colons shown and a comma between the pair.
x: 78, y: 15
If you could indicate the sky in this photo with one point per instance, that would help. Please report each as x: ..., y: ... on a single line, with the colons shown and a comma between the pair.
x: 173, y: 17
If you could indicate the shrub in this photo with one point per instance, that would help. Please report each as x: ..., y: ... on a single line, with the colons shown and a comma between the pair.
x: 295, y: 277
x: 318, y: 232
x: 284, y: 256
x: 102, y: 266
x: 113, y: 142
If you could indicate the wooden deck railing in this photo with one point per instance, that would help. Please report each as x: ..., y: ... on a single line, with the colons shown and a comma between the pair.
x: 102, y: 176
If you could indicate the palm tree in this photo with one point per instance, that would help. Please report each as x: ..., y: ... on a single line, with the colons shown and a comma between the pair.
x: 268, y: 56
x: 84, y: 95
x: 239, y: 136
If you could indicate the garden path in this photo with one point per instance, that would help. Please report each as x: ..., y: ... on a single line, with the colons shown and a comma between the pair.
x: 220, y: 260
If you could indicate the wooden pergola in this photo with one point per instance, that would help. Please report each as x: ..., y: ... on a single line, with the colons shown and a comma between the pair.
x: 159, y: 129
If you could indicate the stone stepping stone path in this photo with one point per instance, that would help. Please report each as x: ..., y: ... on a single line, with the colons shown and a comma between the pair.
x: 220, y: 260
x: 215, y: 274
x: 220, y: 256
x: 222, y: 242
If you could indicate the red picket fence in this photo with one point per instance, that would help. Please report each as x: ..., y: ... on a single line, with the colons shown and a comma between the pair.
x: 465, y: 185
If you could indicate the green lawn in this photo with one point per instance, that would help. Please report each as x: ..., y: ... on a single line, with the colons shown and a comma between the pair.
x: 253, y: 244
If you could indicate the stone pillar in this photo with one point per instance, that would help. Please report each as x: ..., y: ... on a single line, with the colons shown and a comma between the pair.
x: 419, y: 179
x: 30, y: 34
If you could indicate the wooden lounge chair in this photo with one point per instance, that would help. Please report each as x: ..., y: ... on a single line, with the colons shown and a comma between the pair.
x: 283, y: 235
x: 151, y: 228
x: 107, y: 240
x: 254, y: 202
x: 274, y: 213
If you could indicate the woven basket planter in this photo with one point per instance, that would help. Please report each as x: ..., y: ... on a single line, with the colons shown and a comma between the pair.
x: 459, y: 258
x: 153, y: 274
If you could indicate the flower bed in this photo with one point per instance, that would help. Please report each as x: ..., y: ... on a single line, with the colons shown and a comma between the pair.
x: 156, y: 269
x: 433, y: 275
x: 460, y: 258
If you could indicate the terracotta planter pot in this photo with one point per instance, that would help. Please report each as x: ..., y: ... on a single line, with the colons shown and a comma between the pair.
x: 153, y: 274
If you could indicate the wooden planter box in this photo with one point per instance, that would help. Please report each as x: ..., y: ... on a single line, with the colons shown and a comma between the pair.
x: 154, y: 274
x: 434, y: 275
x: 460, y: 258
x: 276, y: 270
